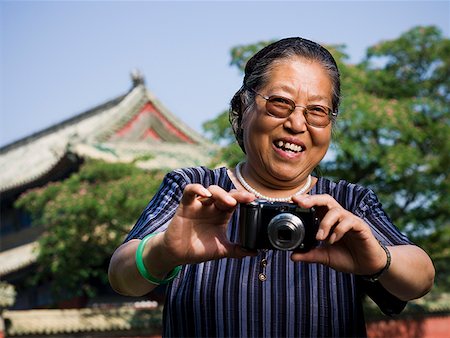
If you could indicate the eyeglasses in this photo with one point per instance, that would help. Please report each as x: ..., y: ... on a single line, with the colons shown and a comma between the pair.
x: 281, y: 107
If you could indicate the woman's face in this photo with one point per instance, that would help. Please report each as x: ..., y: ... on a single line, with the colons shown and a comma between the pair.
x: 270, y: 159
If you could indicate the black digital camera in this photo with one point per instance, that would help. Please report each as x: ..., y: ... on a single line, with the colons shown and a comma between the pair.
x: 277, y: 225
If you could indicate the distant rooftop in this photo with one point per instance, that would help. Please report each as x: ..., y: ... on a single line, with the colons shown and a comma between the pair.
x: 132, y: 126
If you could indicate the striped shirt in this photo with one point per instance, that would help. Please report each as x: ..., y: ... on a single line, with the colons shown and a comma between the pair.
x: 226, y: 298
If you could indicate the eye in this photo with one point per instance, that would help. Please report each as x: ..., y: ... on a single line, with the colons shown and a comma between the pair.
x: 282, y: 102
x: 317, y: 110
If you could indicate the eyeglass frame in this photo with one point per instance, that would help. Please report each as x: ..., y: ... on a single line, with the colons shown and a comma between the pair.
x: 330, y: 114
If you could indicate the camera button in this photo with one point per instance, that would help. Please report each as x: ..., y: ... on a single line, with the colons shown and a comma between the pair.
x: 262, y: 277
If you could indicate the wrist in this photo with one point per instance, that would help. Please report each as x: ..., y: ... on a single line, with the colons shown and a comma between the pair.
x: 150, y: 261
x: 162, y: 257
x: 376, y: 276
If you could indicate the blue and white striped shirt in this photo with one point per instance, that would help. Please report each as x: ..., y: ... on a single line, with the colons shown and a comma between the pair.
x: 226, y: 298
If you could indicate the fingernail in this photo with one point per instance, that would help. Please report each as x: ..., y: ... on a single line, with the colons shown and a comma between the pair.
x: 332, y: 238
x: 203, y: 199
x: 207, y: 193
x: 230, y: 200
x: 319, y: 235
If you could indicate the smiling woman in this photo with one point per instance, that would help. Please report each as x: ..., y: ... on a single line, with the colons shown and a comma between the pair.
x: 194, y: 234
x: 268, y: 164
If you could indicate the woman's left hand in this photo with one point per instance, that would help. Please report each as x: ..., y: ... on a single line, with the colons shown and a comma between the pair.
x: 348, y: 244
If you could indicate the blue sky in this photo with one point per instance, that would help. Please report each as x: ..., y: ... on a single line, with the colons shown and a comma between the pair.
x: 60, y: 58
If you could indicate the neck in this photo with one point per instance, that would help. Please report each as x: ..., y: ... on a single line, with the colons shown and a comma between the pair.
x: 258, y: 194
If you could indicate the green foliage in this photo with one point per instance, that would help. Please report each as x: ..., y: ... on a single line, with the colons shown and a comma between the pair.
x: 415, y: 64
x: 219, y: 130
x: 86, y: 217
x: 391, y: 134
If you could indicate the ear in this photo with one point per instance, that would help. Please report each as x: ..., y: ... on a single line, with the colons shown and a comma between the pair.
x: 240, y: 139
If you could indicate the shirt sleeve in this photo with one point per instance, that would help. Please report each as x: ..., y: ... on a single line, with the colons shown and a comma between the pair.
x: 371, y: 211
x: 161, y: 208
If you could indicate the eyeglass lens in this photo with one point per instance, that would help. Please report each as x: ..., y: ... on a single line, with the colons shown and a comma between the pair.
x: 315, y: 115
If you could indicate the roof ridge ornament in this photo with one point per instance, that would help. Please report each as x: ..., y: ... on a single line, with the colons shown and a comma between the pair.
x: 137, y: 78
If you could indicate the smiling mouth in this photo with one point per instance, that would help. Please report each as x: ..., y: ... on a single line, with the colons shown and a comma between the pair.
x: 290, y: 147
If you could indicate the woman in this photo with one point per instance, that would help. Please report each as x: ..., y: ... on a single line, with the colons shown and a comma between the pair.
x: 282, y: 117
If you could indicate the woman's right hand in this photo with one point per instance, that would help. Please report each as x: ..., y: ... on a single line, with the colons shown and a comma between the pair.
x: 196, y: 233
x: 198, y: 230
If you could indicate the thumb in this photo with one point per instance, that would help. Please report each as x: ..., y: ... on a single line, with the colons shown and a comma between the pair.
x: 237, y: 251
x: 316, y: 255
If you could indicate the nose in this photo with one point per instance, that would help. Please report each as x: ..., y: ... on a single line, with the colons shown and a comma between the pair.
x: 296, y: 122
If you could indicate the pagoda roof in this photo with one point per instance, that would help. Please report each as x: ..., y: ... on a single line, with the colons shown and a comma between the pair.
x: 134, y: 127
x: 116, y: 321
x: 17, y: 258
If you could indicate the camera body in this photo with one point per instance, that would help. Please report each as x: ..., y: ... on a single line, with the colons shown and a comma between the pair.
x: 277, y: 226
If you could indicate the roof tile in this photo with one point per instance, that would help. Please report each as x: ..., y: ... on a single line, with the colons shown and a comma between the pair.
x: 54, y: 321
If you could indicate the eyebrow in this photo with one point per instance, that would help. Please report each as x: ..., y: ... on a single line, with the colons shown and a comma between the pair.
x: 317, y: 98
x: 288, y: 89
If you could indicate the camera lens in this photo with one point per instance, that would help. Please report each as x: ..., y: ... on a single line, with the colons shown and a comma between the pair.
x: 284, y: 235
x: 286, y: 231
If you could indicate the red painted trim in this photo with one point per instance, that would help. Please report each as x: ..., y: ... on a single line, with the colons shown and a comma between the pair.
x: 151, y: 133
x: 149, y: 109
x: 169, y: 126
x: 129, y: 125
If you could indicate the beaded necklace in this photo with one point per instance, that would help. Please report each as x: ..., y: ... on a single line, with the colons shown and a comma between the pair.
x: 270, y: 199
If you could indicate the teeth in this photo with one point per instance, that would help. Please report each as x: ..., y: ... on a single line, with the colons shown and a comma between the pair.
x: 289, y: 146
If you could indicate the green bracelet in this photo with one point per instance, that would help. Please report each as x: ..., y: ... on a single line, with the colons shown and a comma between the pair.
x: 143, y: 270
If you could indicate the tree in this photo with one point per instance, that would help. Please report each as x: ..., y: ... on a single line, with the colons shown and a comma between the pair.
x: 85, y: 218
x: 218, y: 129
x: 392, y: 133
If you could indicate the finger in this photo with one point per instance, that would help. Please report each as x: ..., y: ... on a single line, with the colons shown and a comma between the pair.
x: 223, y: 200
x: 329, y: 211
x: 206, y: 200
x: 340, y: 230
x: 192, y: 191
x: 237, y: 251
x: 239, y: 196
x: 327, y: 224
x: 316, y: 255
x: 242, y: 196
x: 309, y: 201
